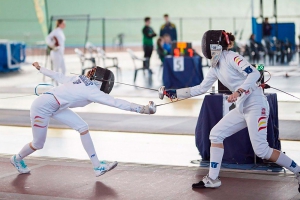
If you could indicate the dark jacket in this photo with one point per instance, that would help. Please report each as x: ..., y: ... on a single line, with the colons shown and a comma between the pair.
x: 170, y: 29
x: 148, y: 34
x: 161, y: 53
x: 267, y: 29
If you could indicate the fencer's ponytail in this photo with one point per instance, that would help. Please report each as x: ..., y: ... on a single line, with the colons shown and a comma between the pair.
x: 227, y: 39
x: 59, y: 22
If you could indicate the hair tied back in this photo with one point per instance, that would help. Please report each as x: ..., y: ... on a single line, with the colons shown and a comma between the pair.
x: 226, y: 37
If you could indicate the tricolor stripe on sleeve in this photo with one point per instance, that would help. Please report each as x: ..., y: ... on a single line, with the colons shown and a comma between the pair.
x: 237, y: 60
x: 262, y: 123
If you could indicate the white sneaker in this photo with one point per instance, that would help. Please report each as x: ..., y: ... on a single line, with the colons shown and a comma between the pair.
x: 19, y: 165
x: 104, y: 167
x: 207, y: 183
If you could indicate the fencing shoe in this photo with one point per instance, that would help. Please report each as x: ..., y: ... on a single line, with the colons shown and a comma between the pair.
x: 104, y: 167
x: 207, y: 183
x: 19, y: 165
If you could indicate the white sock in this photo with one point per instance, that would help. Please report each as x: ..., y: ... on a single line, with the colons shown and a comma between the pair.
x: 25, y: 151
x: 284, y: 161
x: 89, y: 148
x: 216, y: 155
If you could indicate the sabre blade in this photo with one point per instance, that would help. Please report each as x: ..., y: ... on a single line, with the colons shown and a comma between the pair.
x: 285, y: 92
x: 135, y: 86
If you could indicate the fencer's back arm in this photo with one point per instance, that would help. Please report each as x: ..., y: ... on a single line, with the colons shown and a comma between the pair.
x: 57, y: 76
x: 206, y: 84
x: 246, y: 69
x: 251, y: 79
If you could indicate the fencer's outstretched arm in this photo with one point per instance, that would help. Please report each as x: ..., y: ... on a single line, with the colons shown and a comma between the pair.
x: 205, y: 85
x: 184, y: 93
x: 98, y: 96
x: 57, y: 76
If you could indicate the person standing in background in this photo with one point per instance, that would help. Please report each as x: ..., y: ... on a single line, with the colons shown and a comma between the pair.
x: 160, y: 50
x: 299, y: 47
x: 167, y: 43
x: 56, y: 41
x: 253, y: 49
x: 267, y: 30
x: 148, y: 34
x: 168, y: 28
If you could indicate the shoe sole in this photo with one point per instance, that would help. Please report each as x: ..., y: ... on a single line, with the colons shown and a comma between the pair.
x: 11, y: 162
x: 103, y: 172
x: 114, y: 166
x: 195, y: 187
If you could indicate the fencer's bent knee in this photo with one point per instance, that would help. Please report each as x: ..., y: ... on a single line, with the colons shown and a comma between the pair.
x: 215, y: 139
x: 215, y: 136
x: 84, y: 132
x: 37, y: 145
x: 84, y: 127
x: 263, y: 152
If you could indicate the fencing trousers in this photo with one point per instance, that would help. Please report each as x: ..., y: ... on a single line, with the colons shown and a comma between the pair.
x: 45, y: 107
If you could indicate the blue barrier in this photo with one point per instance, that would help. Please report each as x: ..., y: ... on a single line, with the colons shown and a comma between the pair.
x: 12, y: 54
x: 284, y: 30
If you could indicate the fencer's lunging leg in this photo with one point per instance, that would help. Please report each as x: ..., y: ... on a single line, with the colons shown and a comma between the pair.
x: 74, y: 121
x: 216, y: 155
x: 25, y: 151
x: 285, y: 161
x: 40, y: 112
x: 88, y: 145
x: 257, y: 127
x: 228, y: 125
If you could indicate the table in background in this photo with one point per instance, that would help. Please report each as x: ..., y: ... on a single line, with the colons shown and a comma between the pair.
x: 191, y: 74
x: 237, y: 148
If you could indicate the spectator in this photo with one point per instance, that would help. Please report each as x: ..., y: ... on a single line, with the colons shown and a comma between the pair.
x: 148, y: 34
x: 167, y: 43
x: 160, y: 50
x: 168, y: 28
x: 299, y: 47
x: 254, y: 52
x: 267, y: 30
x: 56, y: 41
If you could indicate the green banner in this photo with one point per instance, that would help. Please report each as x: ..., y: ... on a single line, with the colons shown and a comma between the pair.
x: 41, y: 15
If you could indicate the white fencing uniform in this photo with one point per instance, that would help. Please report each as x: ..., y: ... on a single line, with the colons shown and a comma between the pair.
x: 75, y: 91
x: 57, y: 53
x: 252, y: 109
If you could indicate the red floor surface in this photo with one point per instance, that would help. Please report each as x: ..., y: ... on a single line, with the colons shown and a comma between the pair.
x: 72, y: 179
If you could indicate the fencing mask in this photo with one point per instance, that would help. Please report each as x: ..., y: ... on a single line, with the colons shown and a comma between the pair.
x: 106, y: 77
x: 211, y: 47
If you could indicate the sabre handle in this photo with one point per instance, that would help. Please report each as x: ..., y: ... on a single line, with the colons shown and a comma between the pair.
x: 152, y: 107
x: 161, y: 92
x: 171, y: 93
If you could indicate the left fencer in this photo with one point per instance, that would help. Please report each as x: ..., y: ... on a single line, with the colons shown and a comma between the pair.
x: 74, y: 91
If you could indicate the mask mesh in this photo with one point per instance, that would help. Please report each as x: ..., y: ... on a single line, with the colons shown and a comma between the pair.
x: 210, y: 37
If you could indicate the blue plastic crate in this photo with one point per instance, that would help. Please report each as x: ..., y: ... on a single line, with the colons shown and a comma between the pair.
x: 16, y: 55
